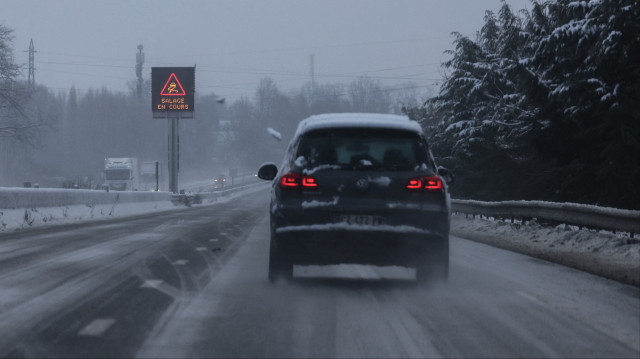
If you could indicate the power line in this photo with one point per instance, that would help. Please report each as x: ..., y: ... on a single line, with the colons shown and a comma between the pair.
x: 85, y: 56
x: 81, y: 64
x: 86, y: 74
x: 247, y: 87
x: 212, y: 69
x: 307, y: 49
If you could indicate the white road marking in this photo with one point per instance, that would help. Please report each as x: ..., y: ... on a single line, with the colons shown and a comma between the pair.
x: 151, y: 283
x: 180, y: 262
x: 96, y: 327
x: 201, y: 249
x: 529, y: 296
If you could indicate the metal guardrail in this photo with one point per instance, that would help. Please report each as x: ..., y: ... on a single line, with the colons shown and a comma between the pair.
x: 581, y: 215
x: 210, y: 195
x: 208, y: 185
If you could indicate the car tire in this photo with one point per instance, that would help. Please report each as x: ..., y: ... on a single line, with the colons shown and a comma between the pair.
x: 434, y: 266
x: 279, y: 266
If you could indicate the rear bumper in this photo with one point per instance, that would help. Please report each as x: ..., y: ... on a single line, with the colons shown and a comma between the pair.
x: 316, y: 236
x: 329, y: 244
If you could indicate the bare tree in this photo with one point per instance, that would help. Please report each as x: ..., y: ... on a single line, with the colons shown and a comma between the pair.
x: 368, y: 95
x: 404, y: 96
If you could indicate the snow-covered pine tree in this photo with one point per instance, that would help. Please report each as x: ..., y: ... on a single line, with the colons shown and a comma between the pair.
x: 547, y: 99
x: 588, y: 59
x: 484, y: 113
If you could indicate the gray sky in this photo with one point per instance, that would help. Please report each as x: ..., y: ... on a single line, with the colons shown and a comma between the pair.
x: 235, y: 43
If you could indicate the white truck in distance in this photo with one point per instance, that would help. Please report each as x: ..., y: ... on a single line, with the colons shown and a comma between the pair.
x: 122, y: 174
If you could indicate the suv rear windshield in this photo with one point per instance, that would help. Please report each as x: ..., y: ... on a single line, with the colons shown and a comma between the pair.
x: 362, y: 148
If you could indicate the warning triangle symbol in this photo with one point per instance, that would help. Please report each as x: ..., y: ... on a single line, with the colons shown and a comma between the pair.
x: 172, y: 87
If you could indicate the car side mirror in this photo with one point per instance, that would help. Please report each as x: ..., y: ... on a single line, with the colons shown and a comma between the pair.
x: 268, y: 171
x: 446, y: 175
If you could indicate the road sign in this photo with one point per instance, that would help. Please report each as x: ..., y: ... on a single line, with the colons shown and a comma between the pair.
x: 172, y: 91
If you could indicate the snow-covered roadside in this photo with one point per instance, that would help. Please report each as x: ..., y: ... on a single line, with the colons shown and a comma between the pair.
x: 614, y: 256
x: 16, y: 219
x: 14, y: 198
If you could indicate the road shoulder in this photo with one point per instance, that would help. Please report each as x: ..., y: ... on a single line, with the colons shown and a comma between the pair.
x: 602, y: 253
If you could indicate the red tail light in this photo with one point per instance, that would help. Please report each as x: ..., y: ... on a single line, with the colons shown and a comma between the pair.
x: 430, y: 183
x: 290, y: 180
x: 415, y: 183
x: 433, y: 183
x: 295, y: 180
x: 309, y: 182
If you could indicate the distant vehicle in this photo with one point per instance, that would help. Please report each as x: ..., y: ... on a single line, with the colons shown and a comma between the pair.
x: 220, y: 181
x: 79, y: 182
x: 148, y: 181
x: 359, y: 189
x: 122, y: 174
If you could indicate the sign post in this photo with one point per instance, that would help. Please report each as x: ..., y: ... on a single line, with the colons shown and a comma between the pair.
x: 174, y: 152
x: 172, y: 98
x: 157, y: 176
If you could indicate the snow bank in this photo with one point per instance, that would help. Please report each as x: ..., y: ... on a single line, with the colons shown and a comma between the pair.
x: 14, y: 198
x: 604, y: 253
x: 14, y: 219
x: 44, y: 207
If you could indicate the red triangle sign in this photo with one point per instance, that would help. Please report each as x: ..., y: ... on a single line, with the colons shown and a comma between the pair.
x: 172, y: 87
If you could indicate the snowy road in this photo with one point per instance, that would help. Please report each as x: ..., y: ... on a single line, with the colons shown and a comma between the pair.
x: 192, y: 283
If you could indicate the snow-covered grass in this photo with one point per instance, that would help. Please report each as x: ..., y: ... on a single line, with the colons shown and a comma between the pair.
x: 560, y: 212
x: 15, y: 219
x: 612, y: 255
x: 39, y: 216
x: 13, y: 197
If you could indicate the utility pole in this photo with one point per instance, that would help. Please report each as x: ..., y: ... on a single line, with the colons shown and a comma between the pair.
x: 313, y: 81
x: 139, y: 63
x: 31, y: 81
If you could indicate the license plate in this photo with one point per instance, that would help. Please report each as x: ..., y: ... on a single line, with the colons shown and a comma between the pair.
x: 360, y: 219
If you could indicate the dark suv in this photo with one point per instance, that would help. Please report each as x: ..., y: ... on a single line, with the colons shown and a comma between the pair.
x: 359, y: 189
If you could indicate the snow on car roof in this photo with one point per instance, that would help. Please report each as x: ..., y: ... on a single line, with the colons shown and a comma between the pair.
x: 357, y: 120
